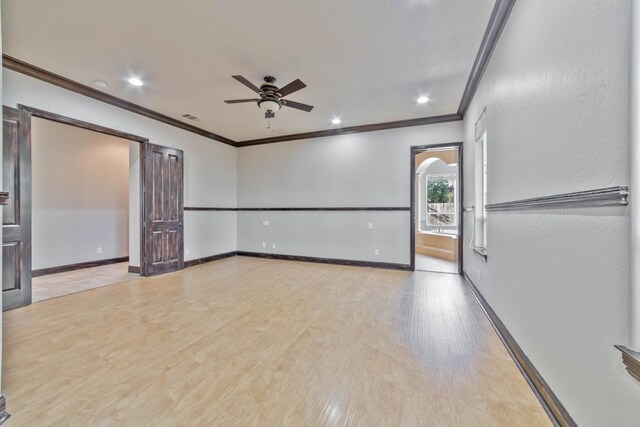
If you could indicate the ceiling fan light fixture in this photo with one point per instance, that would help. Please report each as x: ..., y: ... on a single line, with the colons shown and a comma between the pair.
x: 269, y: 105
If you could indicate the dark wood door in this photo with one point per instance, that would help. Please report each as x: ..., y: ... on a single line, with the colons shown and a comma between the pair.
x: 16, y: 214
x: 163, y: 210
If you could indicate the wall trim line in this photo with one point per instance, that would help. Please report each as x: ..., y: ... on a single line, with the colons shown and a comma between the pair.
x: 631, y: 360
x: 133, y: 269
x: 211, y: 258
x: 610, y: 196
x: 333, y: 261
x: 299, y: 258
x: 291, y: 209
x: 550, y: 402
x: 77, y: 266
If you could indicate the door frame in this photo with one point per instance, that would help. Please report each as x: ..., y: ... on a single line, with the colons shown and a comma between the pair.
x: 30, y: 112
x: 415, y: 149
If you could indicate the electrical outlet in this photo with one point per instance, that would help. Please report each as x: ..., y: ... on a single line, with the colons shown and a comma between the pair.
x: 273, y: 246
x: 99, y: 250
x: 478, y: 274
x: 265, y: 222
x: 370, y: 226
x: 186, y: 251
x: 376, y: 251
x: 264, y: 244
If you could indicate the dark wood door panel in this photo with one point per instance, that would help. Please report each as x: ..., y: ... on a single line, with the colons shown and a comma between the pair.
x: 11, y: 264
x: 163, y: 210
x: 16, y: 226
x: 158, y: 247
x: 172, y: 245
x: 10, y: 170
x: 174, y: 181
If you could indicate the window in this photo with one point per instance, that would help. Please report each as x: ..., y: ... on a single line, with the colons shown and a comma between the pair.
x: 441, y: 206
x: 480, y: 224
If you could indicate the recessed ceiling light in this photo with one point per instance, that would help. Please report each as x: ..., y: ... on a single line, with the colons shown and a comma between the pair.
x: 336, y: 121
x: 135, y: 81
x: 100, y: 83
x: 423, y: 100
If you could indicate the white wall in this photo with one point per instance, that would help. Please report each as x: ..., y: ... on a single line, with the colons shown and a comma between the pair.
x: 358, y: 170
x: 209, y: 169
x: 80, y: 195
x: 556, y: 93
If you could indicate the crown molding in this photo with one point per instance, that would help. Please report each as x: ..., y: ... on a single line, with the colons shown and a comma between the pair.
x: 353, y: 129
x: 497, y: 22
x: 30, y: 70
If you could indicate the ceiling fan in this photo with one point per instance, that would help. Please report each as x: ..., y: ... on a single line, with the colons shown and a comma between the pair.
x: 271, y: 96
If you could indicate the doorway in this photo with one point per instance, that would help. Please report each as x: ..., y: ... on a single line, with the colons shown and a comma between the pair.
x: 153, y: 215
x: 436, y: 199
x: 81, y: 187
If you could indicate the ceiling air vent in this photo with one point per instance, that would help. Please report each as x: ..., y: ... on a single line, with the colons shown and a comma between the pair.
x: 191, y: 117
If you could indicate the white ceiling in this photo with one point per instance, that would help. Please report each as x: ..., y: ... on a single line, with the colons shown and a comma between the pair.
x: 362, y: 60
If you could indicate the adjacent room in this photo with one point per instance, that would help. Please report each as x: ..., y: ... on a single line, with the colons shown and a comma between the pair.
x: 437, y: 209
x: 80, y: 206
x: 336, y: 213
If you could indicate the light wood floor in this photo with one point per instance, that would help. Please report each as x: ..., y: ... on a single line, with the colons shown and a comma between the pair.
x: 70, y: 282
x: 254, y: 342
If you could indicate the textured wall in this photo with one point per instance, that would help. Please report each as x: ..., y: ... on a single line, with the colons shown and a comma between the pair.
x: 358, y: 170
x: 80, y: 195
x: 556, y: 94
x: 209, y: 170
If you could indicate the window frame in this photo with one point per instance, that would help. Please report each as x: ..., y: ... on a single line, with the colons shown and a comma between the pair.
x: 479, y: 242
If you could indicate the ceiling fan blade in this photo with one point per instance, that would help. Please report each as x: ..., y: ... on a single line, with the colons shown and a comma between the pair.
x: 247, y: 83
x: 238, y: 101
x: 298, y: 105
x: 294, y: 86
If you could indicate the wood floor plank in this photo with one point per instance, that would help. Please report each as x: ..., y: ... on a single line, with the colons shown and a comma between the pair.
x: 246, y: 341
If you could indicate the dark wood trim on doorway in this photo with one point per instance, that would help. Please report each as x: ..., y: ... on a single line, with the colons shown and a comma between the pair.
x: 48, y: 115
x: 550, y: 402
x: 77, y: 266
x: 412, y: 223
x: 30, y: 70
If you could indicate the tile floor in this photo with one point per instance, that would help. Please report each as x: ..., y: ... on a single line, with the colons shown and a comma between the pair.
x: 427, y: 263
x: 70, y: 282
